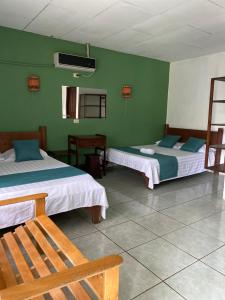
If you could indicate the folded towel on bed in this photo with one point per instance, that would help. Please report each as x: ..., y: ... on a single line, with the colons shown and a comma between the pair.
x: 147, y: 151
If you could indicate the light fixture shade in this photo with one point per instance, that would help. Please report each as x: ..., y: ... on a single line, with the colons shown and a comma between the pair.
x: 126, y: 91
x: 33, y: 83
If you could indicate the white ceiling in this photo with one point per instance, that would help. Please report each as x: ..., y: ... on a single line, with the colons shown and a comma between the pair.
x: 164, y: 29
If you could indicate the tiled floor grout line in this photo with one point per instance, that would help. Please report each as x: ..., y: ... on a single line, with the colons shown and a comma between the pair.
x: 212, y: 252
x: 110, y: 226
x: 186, y: 251
x: 145, y: 291
x: 178, y: 204
x: 209, y: 235
x: 195, y: 229
x: 118, y: 203
x: 126, y: 251
x: 205, y: 217
x: 129, y: 248
x: 157, y: 233
x: 195, y: 199
x: 77, y: 237
x: 212, y: 267
x: 144, y: 243
x: 161, y: 212
x: 161, y: 280
x: 164, y: 280
x: 166, y: 207
x: 157, y: 236
x: 161, y: 196
x: 175, y: 290
x: 143, y: 265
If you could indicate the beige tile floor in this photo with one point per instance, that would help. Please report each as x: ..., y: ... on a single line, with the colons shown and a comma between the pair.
x: 172, y: 239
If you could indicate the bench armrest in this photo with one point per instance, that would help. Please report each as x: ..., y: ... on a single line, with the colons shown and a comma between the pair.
x: 38, y: 198
x: 43, y: 285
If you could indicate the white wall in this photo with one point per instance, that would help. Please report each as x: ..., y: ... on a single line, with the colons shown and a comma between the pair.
x: 189, y: 86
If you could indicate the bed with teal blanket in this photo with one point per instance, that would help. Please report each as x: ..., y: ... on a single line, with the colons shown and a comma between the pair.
x: 164, y: 164
x: 168, y: 164
x: 68, y: 188
x: 38, y: 176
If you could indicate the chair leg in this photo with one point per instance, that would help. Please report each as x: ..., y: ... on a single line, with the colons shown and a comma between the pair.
x: 111, y: 284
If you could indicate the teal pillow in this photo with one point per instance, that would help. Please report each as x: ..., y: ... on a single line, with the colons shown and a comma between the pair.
x: 27, y: 150
x: 193, y: 144
x: 169, y: 141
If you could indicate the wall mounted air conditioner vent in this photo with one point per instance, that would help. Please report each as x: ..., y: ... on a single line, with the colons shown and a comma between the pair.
x: 74, y: 62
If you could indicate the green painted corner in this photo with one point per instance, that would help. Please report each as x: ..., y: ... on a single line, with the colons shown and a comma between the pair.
x: 139, y: 120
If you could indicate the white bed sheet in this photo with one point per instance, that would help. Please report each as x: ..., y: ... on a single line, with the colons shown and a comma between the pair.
x: 63, y: 194
x: 188, y: 163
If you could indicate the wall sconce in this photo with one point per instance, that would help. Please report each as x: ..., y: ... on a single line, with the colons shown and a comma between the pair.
x: 33, y: 83
x: 126, y: 91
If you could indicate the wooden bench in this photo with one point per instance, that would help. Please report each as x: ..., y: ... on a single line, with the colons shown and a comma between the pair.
x: 38, y: 260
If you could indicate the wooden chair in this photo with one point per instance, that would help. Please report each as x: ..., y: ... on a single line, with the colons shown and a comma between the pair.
x: 37, y: 259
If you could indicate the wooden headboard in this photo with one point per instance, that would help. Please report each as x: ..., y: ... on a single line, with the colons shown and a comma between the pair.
x: 6, y: 138
x: 216, y: 136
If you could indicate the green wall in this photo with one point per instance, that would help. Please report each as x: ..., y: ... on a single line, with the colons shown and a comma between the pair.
x: 139, y: 120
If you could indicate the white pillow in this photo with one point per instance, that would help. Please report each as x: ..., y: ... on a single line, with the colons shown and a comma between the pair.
x: 10, y: 156
x: 178, y: 146
x: 201, y: 150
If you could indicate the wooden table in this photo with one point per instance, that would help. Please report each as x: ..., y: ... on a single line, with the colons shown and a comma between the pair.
x: 98, y: 142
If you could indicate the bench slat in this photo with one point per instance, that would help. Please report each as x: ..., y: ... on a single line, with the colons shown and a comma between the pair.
x: 70, y: 251
x: 55, y: 259
x: 9, y: 276
x: 73, y: 254
x: 37, y: 260
x: 19, y: 260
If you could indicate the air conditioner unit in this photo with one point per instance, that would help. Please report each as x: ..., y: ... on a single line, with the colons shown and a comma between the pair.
x: 74, y: 62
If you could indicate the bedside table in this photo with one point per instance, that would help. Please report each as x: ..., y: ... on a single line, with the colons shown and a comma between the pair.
x: 93, y: 166
x: 97, y: 141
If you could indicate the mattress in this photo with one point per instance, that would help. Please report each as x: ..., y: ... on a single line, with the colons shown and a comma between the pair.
x: 188, y: 163
x: 63, y: 194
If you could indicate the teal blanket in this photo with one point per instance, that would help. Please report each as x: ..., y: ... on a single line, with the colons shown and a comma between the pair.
x: 38, y: 176
x: 168, y: 164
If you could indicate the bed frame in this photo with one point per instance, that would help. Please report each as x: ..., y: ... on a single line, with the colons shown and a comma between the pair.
x: 6, y: 138
x: 215, y: 138
x: 6, y: 141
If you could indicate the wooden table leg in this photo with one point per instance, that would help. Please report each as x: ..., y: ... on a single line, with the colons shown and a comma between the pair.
x: 77, y: 157
x: 104, y: 161
x: 69, y: 149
